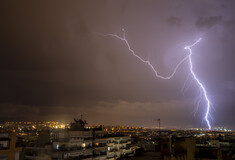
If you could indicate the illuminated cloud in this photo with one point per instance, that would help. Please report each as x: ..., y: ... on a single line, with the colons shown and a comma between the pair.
x: 208, y: 22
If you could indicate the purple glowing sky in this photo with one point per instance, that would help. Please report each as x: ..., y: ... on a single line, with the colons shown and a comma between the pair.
x: 54, y: 67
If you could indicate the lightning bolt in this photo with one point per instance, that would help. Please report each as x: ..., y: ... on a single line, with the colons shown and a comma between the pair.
x: 187, y: 57
x: 198, y: 81
x: 123, y: 38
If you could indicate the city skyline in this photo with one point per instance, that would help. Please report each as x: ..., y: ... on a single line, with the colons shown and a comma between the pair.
x: 55, y: 66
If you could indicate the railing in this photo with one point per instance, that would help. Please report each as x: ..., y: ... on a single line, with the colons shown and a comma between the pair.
x: 61, y: 140
x: 72, y: 148
x: 101, y: 145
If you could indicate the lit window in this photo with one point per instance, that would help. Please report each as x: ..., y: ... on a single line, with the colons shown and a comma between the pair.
x: 83, y: 145
x: 57, y: 146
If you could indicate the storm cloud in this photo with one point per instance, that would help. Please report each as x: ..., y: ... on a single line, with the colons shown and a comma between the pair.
x: 208, y: 22
x: 174, y: 21
x: 55, y: 64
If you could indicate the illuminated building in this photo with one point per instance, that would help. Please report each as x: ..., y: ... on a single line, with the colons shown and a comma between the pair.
x: 119, y: 147
x: 81, y: 143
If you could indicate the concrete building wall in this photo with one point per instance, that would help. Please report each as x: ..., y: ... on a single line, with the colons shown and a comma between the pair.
x: 11, y: 149
x: 186, y: 145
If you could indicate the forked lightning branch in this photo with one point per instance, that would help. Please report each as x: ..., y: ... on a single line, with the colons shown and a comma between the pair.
x: 187, y: 57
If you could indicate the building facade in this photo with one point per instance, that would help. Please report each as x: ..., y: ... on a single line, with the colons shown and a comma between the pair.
x: 9, y: 149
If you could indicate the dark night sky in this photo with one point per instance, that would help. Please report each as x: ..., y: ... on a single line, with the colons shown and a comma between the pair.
x: 54, y: 65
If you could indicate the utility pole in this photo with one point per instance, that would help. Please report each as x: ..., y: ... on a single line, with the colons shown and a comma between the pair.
x: 159, y: 125
x: 159, y: 120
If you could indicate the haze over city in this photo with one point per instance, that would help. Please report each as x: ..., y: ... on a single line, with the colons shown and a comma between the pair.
x: 55, y: 64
